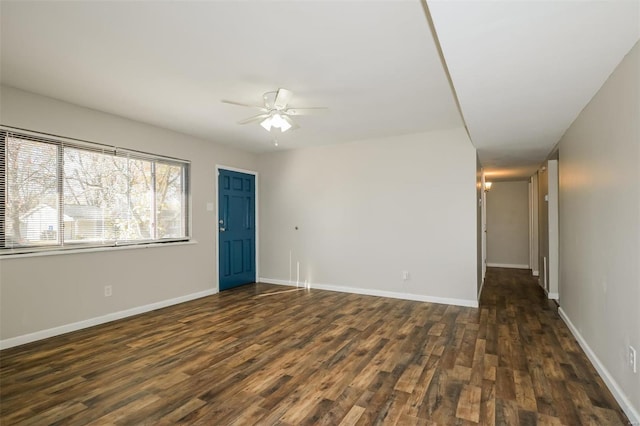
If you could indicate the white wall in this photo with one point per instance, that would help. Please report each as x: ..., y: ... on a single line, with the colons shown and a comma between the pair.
x: 600, y: 229
x: 508, y: 224
x: 41, y: 293
x: 479, y: 227
x: 367, y: 210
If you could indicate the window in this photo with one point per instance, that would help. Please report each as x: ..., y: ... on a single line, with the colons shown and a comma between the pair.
x: 57, y: 193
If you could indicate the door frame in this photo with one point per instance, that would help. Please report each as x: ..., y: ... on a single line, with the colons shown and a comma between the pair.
x: 483, y: 197
x: 554, y: 229
x: 255, y: 215
x: 534, y: 262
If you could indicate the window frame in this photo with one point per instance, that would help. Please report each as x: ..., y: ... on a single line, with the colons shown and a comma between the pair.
x: 61, y: 143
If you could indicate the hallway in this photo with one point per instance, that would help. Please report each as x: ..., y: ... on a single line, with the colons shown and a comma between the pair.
x: 540, y: 366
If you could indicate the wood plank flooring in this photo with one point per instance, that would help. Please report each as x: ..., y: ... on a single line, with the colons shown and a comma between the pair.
x: 244, y: 357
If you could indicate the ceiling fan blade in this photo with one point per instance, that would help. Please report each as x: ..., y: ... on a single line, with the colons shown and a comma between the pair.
x: 282, y: 98
x: 292, y: 123
x: 254, y: 118
x: 244, y: 105
x: 307, y: 111
x: 268, y: 99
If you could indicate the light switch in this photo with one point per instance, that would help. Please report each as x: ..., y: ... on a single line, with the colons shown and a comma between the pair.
x: 209, y: 207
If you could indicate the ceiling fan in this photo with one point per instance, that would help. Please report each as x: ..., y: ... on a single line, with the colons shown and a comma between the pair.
x: 276, y: 111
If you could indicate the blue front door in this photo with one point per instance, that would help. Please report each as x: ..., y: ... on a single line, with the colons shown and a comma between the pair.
x: 236, y: 228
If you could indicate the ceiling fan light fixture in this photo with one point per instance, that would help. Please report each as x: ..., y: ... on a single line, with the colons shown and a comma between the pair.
x: 276, y: 121
x: 284, y: 126
x: 266, y: 123
x: 276, y: 111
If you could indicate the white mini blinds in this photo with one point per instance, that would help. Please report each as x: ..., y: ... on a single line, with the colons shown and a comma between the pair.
x: 58, y: 193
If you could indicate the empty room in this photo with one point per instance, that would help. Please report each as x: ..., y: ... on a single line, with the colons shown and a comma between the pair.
x: 319, y: 212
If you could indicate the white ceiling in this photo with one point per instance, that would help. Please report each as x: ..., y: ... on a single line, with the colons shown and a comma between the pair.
x: 522, y: 70
x: 373, y: 65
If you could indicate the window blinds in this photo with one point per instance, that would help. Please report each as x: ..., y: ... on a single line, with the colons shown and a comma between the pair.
x: 60, y: 193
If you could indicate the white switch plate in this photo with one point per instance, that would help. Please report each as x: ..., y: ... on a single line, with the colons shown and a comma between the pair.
x: 209, y: 207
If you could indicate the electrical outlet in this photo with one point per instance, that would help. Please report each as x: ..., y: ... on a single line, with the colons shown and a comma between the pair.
x: 405, y: 275
x: 108, y: 291
x: 632, y: 359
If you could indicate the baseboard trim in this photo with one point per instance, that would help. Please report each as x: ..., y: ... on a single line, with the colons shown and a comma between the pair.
x: 631, y: 412
x: 507, y: 265
x: 67, y: 328
x: 372, y: 292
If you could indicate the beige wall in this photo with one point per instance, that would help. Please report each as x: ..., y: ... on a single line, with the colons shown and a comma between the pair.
x: 40, y: 293
x: 600, y: 226
x: 508, y: 224
x: 366, y: 211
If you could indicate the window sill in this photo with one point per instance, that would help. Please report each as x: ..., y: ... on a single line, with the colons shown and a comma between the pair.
x: 8, y: 256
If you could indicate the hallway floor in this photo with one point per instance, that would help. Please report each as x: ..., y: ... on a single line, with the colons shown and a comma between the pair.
x: 539, y: 366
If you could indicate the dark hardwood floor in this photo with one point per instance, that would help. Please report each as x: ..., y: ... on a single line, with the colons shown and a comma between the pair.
x: 315, y: 357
